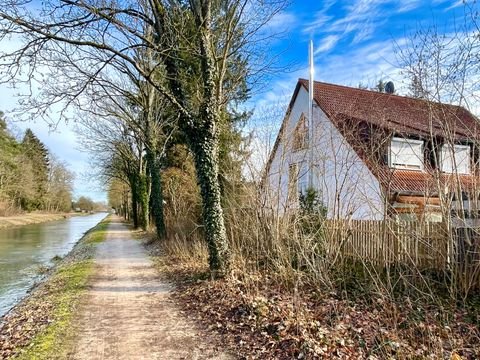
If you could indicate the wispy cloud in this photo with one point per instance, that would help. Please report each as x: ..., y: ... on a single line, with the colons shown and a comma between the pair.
x: 408, y: 5
x: 357, y: 21
x: 327, y: 44
x: 455, y: 5
x: 320, y: 19
x: 362, y: 17
x: 364, y: 64
x: 282, y: 21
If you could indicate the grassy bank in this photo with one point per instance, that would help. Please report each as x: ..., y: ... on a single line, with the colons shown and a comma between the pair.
x: 40, y: 326
x: 30, y: 218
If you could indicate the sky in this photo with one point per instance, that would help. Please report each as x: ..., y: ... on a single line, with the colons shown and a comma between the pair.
x: 354, y: 42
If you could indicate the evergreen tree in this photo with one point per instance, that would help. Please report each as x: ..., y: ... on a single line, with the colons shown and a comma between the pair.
x: 380, y: 87
x: 10, y: 183
x: 37, y: 154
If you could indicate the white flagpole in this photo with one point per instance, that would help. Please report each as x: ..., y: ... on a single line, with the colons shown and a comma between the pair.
x: 310, y: 117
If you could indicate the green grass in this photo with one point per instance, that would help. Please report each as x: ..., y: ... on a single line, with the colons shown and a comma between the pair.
x: 97, y: 235
x: 65, y: 289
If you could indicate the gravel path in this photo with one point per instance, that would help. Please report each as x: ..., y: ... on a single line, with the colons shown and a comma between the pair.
x: 128, y: 313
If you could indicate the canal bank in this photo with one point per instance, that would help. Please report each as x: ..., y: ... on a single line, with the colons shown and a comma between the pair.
x: 31, y: 218
x: 39, y: 324
x: 27, y: 252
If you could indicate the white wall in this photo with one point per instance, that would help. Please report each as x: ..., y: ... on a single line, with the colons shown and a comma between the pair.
x: 347, y: 186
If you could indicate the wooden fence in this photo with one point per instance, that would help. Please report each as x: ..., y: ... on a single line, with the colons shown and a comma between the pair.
x: 425, y: 245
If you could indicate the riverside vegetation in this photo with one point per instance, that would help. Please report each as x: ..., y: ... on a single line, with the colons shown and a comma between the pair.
x: 31, y: 178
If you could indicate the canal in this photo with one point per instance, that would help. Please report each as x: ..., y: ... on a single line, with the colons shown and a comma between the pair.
x: 26, y: 250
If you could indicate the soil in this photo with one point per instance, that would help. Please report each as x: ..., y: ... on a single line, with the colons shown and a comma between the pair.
x: 128, y: 312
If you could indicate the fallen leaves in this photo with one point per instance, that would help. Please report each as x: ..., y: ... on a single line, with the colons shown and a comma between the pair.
x: 269, y: 322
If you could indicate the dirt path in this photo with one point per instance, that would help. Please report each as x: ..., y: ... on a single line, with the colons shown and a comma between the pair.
x: 128, y: 314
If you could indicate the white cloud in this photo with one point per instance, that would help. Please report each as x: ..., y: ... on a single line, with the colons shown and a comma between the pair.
x: 365, y: 64
x: 408, y: 5
x: 362, y: 17
x: 455, y: 5
x: 281, y: 21
x: 327, y: 43
x: 320, y: 19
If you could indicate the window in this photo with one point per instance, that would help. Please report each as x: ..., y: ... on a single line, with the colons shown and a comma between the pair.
x: 458, y: 162
x: 300, y: 134
x: 297, y: 180
x: 303, y: 179
x: 406, y: 154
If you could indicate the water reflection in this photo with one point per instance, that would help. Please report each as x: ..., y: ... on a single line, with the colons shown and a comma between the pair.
x: 25, y: 250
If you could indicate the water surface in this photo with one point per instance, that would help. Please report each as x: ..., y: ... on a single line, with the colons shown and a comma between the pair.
x: 25, y: 250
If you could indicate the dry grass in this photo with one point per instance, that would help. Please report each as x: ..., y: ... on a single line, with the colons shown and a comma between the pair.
x: 30, y: 218
x: 292, y: 292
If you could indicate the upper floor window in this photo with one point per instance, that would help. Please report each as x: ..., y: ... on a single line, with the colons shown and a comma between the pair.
x: 455, y: 159
x: 406, y: 154
x: 300, y: 134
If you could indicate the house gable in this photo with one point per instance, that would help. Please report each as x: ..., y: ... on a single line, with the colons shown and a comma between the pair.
x: 347, y: 186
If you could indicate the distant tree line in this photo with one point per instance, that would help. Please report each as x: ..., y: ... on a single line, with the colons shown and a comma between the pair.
x: 31, y: 178
x: 84, y: 203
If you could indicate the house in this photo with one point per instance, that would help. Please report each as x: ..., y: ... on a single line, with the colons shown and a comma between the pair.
x: 376, y: 155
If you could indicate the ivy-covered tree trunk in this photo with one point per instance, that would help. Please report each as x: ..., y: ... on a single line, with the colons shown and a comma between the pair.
x: 205, y: 154
x: 156, y: 195
x: 204, y: 143
x: 201, y: 127
x: 143, y: 201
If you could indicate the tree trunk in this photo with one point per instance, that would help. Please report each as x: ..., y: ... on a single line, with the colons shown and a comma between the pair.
x: 126, y: 210
x: 201, y: 132
x: 206, y: 165
x: 204, y: 144
x: 134, y: 188
x: 143, y: 200
x: 156, y: 194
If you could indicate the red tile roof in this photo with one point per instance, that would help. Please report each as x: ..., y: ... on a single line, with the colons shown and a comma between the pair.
x: 403, y: 115
x: 423, y: 182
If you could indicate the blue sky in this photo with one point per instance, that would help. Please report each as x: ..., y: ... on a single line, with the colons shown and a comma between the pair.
x: 354, y: 42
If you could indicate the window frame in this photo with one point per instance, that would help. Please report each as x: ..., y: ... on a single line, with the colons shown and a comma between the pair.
x: 403, y: 166
x: 455, y: 146
x: 298, y: 176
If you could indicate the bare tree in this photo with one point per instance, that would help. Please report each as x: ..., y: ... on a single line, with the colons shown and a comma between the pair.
x: 445, y: 68
x: 202, y: 48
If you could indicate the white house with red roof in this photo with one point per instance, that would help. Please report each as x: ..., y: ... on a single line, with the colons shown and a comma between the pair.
x: 375, y: 155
